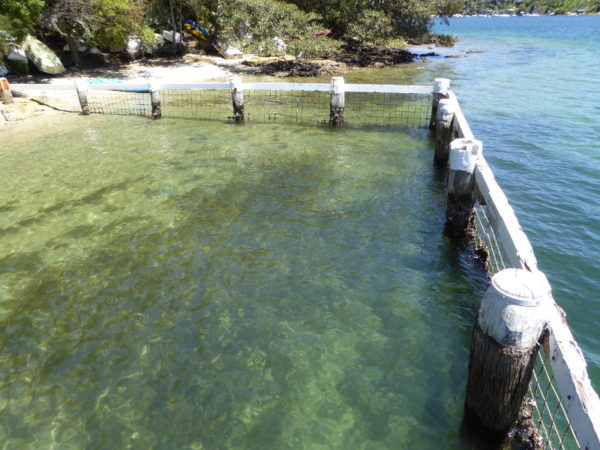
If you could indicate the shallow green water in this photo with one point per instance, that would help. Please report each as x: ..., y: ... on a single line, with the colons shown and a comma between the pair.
x: 187, y: 284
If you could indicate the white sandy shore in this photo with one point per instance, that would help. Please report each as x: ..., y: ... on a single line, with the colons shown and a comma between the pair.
x: 188, y: 70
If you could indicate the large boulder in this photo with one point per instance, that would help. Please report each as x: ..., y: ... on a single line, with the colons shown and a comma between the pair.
x: 16, y: 59
x: 44, y: 59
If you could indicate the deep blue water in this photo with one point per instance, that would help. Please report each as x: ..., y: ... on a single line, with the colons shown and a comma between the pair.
x: 532, y: 96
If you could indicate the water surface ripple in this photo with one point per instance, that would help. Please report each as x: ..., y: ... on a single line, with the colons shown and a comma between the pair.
x: 187, y: 284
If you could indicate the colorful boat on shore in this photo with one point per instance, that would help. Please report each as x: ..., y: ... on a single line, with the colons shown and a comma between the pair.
x: 195, y: 30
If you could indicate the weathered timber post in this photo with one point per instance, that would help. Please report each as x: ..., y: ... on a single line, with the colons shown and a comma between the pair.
x: 81, y: 86
x: 440, y: 91
x: 463, y: 156
x: 5, y: 94
x: 443, y: 130
x: 237, y: 98
x: 337, y: 102
x: 155, y: 99
x: 504, y: 346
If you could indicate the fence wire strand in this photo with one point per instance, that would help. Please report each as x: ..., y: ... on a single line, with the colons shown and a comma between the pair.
x: 387, y: 109
x: 119, y: 103
x: 195, y: 104
x: 549, y: 412
x: 486, y: 241
x: 286, y: 106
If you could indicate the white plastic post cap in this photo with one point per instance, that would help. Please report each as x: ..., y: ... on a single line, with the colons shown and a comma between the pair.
x: 153, y: 85
x: 464, y: 154
x: 337, y: 85
x: 441, y: 86
x: 236, y: 82
x: 446, y: 109
x: 513, y: 308
x: 81, y: 84
x: 521, y: 287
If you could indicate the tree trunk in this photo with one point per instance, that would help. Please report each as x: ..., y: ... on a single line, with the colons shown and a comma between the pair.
x: 73, y: 48
x: 174, y: 27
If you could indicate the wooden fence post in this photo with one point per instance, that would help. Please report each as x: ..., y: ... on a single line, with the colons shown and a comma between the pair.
x: 443, y: 130
x: 337, y: 102
x: 440, y: 91
x: 463, y: 156
x: 504, y: 346
x: 237, y: 98
x: 5, y: 94
x: 81, y: 86
x: 155, y: 99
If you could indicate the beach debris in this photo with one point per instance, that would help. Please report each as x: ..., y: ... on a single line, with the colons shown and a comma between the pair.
x: 134, y: 44
x: 168, y: 36
x: 280, y: 44
x: 325, y: 32
x: 227, y: 51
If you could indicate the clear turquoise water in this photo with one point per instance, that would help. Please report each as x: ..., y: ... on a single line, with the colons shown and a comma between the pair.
x: 187, y: 284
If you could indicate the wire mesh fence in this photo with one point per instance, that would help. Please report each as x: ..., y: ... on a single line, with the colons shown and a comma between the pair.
x: 286, y: 106
x: 362, y: 108
x: 196, y: 104
x: 119, y: 102
x: 373, y: 108
x: 550, y: 416
x: 487, y: 245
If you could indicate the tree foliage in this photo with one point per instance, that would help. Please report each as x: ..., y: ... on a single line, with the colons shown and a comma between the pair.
x: 253, y: 25
x: 258, y: 25
x: 364, y: 19
x: 20, y: 16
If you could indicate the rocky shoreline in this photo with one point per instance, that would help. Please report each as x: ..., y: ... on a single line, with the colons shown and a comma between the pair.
x: 284, y: 66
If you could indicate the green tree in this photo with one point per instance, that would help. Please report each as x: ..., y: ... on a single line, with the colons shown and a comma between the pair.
x: 21, y: 16
x: 97, y: 22
x: 253, y: 25
x: 408, y: 18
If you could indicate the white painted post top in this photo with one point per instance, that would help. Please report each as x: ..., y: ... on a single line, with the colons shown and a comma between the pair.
x: 153, y: 85
x: 337, y: 85
x: 521, y: 287
x: 514, y: 308
x: 446, y: 109
x: 235, y: 83
x: 441, y: 86
x: 464, y: 154
x: 81, y: 84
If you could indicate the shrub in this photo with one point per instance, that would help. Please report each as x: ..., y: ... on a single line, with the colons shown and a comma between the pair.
x: 371, y: 27
x: 252, y: 25
x: 314, y: 47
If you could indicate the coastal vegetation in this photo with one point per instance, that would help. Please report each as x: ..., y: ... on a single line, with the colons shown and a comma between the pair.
x: 298, y: 27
